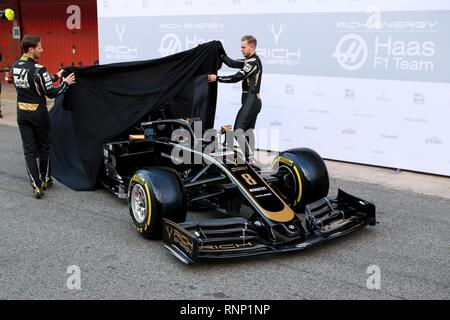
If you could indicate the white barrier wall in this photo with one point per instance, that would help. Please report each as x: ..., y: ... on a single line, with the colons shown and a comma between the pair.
x: 360, y: 81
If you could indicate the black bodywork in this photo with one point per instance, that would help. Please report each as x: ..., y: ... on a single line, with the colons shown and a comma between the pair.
x: 261, y: 219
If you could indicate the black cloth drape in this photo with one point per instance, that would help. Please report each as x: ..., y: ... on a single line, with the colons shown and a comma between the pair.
x: 109, y: 99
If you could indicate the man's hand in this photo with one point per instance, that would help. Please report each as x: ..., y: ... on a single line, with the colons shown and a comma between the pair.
x: 212, y: 78
x: 70, y: 79
x: 59, y: 73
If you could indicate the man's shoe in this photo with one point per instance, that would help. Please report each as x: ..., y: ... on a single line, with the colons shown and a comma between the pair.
x: 1, y: 116
x: 38, y: 194
x: 47, y: 184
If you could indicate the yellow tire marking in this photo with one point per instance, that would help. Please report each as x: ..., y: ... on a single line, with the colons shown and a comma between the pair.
x: 149, y: 205
x: 300, y: 187
x: 291, y: 163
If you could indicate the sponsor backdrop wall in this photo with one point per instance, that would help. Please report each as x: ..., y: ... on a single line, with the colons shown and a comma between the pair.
x: 360, y: 81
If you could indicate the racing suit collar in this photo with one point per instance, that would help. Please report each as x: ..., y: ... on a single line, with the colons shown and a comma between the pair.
x: 26, y: 58
x: 254, y: 53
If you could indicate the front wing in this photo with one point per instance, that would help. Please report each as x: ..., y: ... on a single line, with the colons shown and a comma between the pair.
x: 237, y: 237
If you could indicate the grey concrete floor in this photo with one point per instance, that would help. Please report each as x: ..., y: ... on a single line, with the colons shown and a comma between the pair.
x: 40, y: 239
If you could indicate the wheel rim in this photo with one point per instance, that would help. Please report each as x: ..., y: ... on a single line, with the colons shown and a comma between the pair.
x: 287, y: 187
x: 139, y: 204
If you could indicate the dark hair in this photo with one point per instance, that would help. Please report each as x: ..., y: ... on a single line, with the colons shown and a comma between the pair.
x: 250, y: 39
x: 30, y: 42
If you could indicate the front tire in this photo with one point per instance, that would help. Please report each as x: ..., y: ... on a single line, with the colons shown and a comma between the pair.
x: 302, y: 177
x: 154, y: 194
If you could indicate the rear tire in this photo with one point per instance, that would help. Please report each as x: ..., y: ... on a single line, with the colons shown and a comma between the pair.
x: 303, y: 177
x: 154, y: 194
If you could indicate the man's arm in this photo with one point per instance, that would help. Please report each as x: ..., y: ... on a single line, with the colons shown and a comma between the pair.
x: 45, y: 82
x: 248, y: 68
x: 237, y: 64
x: 57, y: 75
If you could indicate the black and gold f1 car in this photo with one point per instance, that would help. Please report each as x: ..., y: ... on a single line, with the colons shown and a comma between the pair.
x: 282, y: 209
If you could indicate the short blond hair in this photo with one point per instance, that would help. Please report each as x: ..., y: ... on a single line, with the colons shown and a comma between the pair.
x: 250, y: 39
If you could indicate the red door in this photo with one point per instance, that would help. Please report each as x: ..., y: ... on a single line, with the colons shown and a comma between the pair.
x: 68, y: 29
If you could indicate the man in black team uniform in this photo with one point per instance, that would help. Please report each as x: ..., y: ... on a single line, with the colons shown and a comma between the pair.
x: 33, y: 83
x: 1, y: 116
x: 250, y: 75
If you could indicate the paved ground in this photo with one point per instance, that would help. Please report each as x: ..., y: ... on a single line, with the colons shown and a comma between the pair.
x: 39, y: 240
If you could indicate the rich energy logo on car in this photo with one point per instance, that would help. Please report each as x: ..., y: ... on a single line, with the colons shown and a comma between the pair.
x: 279, y: 55
x: 179, y: 238
x: 122, y: 51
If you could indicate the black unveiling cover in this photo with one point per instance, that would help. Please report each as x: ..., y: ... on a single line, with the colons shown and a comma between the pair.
x: 109, y: 99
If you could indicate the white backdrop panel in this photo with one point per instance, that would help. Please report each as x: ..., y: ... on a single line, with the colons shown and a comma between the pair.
x: 358, y: 81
